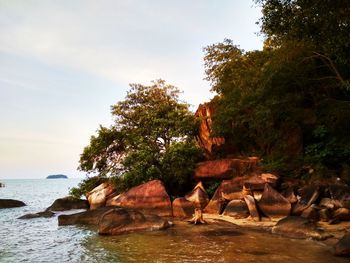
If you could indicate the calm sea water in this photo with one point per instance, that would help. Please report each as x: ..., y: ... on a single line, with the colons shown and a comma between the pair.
x: 42, y: 240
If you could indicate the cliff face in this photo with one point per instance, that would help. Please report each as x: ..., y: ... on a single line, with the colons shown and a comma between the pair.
x: 206, y: 142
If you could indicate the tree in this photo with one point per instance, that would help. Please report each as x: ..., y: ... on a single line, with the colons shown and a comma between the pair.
x: 152, y: 138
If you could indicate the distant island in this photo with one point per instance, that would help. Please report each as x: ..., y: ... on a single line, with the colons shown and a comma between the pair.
x: 57, y: 176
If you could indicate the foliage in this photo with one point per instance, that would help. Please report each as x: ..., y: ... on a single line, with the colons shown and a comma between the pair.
x: 151, y: 138
x: 87, y: 185
x: 295, y: 92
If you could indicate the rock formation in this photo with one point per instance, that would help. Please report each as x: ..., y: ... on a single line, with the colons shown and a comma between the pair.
x: 183, y: 208
x: 149, y: 198
x: 10, y: 203
x: 198, y: 196
x: 98, y: 196
x: 237, y: 209
x: 68, y: 203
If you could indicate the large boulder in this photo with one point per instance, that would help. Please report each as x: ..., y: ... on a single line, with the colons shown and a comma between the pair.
x: 299, y: 227
x: 342, y: 214
x: 98, y: 196
x: 237, y: 209
x: 10, y: 203
x: 89, y: 217
x: 273, y: 204
x: 227, y: 190
x: 198, y: 196
x: 149, y: 198
x: 183, y: 208
x: 308, y: 196
x: 253, y: 210
x: 342, y: 247
x: 225, y: 168
x: 45, y: 214
x: 68, y: 203
x: 119, y: 221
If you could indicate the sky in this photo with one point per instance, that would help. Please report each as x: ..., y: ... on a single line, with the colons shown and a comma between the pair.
x: 64, y: 63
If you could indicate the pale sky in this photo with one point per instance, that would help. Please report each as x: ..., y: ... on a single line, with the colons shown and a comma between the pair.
x: 63, y: 63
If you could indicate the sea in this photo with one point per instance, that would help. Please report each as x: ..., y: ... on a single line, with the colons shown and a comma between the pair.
x: 42, y: 240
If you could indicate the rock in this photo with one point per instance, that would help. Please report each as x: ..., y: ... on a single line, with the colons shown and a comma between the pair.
x: 10, y: 203
x: 311, y: 213
x: 198, y: 196
x: 2, y: 184
x: 290, y: 195
x: 197, y: 217
x: 342, y: 214
x: 308, y: 196
x: 183, y: 208
x: 325, y: 215
x: 204, y: 138
x: 273, y: 204
x: 227, y: 190
x: 98, y: 196
x: 299, y: 227
x: 340, y: 195
x: 225, y: 168
x: 45, y: 214
x: 271, y: 179
x: 327, y: 203
x: 89, y: 217
x: 237, y: 209
x: 149, y: 198
x: 255, y: 183
x: 68, y: 203
x: 253, y: 210
x: 119, y: 221
x: 342, y: 247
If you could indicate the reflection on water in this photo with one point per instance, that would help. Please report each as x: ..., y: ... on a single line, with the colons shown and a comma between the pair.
x: 42, y: 240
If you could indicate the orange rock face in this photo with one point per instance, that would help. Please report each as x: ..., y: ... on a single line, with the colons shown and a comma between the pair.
x: 183, y: 208
x: 198, y: 196
x: 205, y: 141
x: 149, y: 198
x: 225, y: 168
x: 98, y: 196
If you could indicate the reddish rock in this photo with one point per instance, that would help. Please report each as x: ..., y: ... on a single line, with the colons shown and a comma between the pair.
x: 310, y: 213
x: 327, y: 203
x: 253, y: 210
x: 299, y: 227
x: 198, y: 196
x: 225, y: 168
x: 120, y: 221
x: 271, y: 179
x: 236, y: 209
x: 325, y: 215
x: 255, y: 183
x: 149, y: 198
x: 98, y: 196
x: 273, y: 204
x: 342, y: 247
x: 183, y: 208
x: 206, y: 142
x: 228, y: 190
x: 308, y: 196
x: 342, y: 214
x: 89, y: 217
x: 290, y: 195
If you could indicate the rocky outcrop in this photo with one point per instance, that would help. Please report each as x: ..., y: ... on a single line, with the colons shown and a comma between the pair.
x: 225, y: 168
x: 342, y: 247
x: 183, y: 208
x: 340, y: 194
x: 253, y: 210
x: 308, y: 196
x: 119, y: 221
x: 227, y: 190
x: 342, y: 214
x: 44, y: 214
x: 299, y: 227
x: 273, y: 204
x: 10, y: 203
x: 204, y: 113
x: 68, y: 203
x: 237, y: 209
x: 148, y: 198
x: 198, y: 196
x: 89, y: 217
x: 98, y: 196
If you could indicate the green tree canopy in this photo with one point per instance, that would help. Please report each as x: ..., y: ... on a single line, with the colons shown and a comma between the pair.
x: 152, y: 138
